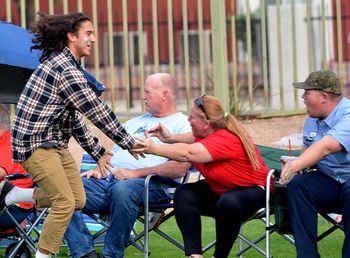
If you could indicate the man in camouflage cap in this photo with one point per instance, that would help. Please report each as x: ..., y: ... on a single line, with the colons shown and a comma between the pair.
x: 326, y: 140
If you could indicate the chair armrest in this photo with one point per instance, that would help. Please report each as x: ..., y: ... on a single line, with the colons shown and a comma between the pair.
x: 161, y: 179
x: 16, y: 176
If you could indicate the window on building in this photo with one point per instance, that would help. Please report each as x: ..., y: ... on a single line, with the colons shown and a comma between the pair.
x: 118, y: 47
x: 193, y: 47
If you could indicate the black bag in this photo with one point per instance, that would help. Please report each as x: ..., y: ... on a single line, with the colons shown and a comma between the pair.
x: 283, y: 225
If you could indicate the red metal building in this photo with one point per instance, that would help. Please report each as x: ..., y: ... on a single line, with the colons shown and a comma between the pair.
x: 147, y: 17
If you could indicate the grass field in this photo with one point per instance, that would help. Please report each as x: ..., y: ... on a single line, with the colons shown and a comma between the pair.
x: 328, y: 247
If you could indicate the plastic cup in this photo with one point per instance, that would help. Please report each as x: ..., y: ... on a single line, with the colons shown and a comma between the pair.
x: 289, y: 158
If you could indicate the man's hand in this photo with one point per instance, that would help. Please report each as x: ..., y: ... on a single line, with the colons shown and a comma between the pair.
x: 134, y: 153
x: 287, y: 172
x: 104, y: 163
x: 124, y: 173
x: 91, y: 173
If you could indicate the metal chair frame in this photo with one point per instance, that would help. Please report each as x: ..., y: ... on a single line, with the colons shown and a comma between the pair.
x: 24, y: 234
x: 334, y: 225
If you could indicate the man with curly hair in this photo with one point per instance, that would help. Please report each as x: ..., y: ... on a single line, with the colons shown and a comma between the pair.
x: 50, y: 110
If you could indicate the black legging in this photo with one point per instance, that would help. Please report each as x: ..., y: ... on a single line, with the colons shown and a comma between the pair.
x: 229, y: 210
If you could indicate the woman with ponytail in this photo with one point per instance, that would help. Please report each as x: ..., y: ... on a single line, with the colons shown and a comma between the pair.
x: 234, y: 174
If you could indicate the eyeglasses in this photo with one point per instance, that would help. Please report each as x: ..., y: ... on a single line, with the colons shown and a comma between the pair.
x: 200, y: 104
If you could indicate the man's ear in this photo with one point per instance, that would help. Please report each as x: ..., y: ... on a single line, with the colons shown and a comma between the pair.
x: 165, y: 94
x: 325, y: 97
x: 71, y: 36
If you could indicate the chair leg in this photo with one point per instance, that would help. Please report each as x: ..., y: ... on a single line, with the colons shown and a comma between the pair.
x: 240, y: 242
x: 146, y: 217
x: 208, y: 246
x: 24, y: 235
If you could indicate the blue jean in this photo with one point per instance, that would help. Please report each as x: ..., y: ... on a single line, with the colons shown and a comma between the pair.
x: 309, y: 194
x: 19, y: 215
x: 121, y: 200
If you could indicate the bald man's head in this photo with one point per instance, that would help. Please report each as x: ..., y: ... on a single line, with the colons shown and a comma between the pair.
x: 163, y: 80
x: 160, y: 94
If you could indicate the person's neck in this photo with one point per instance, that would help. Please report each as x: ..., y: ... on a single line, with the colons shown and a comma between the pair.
x: 330, y: 107
x: 74, y: 54
x: 211, y: 130
x: 164, y: 114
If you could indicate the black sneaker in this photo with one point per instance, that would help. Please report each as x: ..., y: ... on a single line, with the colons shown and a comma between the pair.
x: 5, y: 188
x: 92, y: 254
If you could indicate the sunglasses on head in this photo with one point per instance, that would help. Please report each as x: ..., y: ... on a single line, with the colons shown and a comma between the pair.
x: 200, y: 104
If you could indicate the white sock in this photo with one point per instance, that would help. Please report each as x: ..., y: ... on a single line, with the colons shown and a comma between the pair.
x: 18, y: 194
x: 41, y: 255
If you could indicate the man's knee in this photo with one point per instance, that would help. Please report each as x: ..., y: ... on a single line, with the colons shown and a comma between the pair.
x: 128, y: 190
x: 65, y: 206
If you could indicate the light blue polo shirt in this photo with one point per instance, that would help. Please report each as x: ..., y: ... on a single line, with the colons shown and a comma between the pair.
x: 176, y: 123
x: 337, y: 126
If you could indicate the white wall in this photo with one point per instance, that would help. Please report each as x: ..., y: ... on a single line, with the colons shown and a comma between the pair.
x: 301, y: 50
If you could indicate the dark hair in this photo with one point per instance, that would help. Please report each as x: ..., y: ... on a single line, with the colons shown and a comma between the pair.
x: 51, y: 32
x: 334, y: 96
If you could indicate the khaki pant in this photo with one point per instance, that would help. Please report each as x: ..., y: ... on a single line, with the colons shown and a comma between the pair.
x: 57, y: 175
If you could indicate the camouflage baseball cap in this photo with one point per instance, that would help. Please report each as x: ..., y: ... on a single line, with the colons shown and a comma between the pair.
x: 324, y: 80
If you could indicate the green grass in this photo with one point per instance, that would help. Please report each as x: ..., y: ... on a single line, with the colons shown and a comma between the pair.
x: 160, y: 248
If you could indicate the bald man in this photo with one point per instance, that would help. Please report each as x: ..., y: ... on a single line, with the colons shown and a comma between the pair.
x: 121, y: 194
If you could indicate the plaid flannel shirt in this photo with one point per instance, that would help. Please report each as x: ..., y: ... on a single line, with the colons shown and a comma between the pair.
x: 51, y: 109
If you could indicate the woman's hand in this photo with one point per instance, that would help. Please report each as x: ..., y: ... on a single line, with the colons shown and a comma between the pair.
x: 161, y: 132
x: 104, y: 163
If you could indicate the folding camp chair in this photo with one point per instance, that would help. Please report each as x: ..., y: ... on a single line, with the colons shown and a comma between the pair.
x: 160, y: 208
x: 282, y: 216
x: 262, y: 215
x: 99, y: 222
x: 140, y: 240
x: 23, y: 237
x: 277, y: 206
x: 271, y: 157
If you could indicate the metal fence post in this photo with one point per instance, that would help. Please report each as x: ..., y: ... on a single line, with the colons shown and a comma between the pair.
x: 220, y: 67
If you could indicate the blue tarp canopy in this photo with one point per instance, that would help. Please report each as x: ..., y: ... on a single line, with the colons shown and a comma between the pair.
x: 17, y: 62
